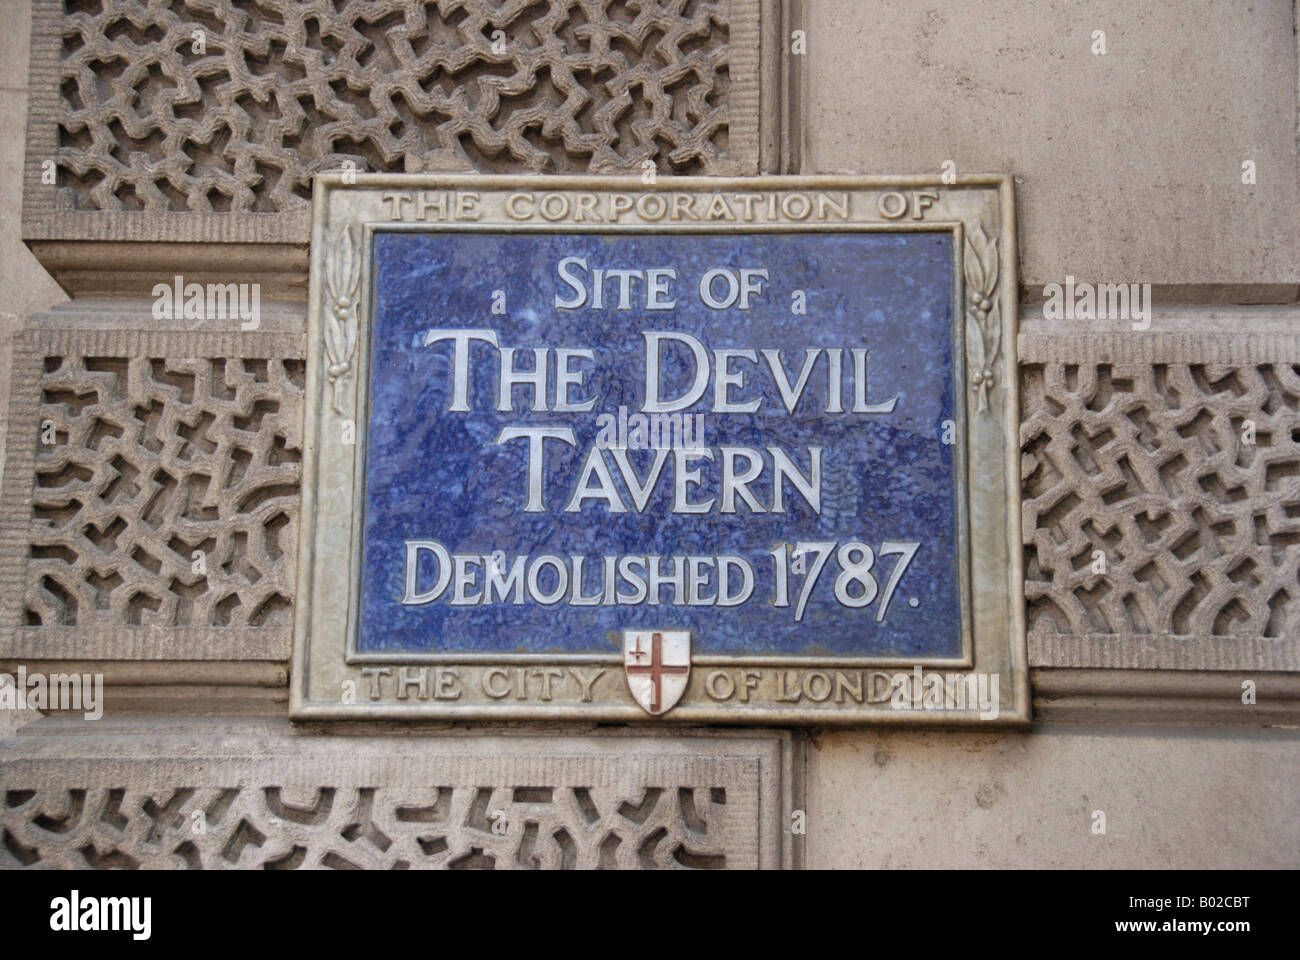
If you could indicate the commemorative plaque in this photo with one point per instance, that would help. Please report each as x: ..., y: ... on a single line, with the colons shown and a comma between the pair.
x: 695, y: 450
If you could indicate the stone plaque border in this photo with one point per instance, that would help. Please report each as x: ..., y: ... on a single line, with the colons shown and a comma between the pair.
x: 330, y: 681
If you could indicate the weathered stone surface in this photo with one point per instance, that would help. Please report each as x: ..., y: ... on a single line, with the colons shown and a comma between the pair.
x: 24, y: 286
x: 1128, y: 166
x: 260, y: 795
x: 983, y: 800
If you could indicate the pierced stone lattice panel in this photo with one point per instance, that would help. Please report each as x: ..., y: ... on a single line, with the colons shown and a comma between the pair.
x: 137, y: 120
x: 178, y: 477
x: 382, y: 804
x: 519, y: 827
x: 159, y: 514
x: 1200, y: 531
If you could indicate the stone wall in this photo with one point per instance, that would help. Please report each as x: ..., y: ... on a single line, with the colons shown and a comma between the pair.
x: 174, y: 436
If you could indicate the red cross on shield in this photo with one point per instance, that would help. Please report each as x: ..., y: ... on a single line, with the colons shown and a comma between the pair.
x: 658, y: 664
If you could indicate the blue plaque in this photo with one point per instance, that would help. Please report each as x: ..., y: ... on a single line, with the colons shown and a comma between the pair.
x: 717, y: 450
x: 825, y: 310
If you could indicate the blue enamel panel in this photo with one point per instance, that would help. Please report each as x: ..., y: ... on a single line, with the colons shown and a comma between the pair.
x: 433, y: 474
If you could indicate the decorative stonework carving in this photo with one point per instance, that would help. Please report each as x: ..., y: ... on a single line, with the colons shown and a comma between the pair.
x: 1146, y: 462
x: 983, y: 318
x: 273, y: 828
x: 170, y: 494
x: 258, y: 794
x: 284, y: 89
x: 152, y: 504
x: 342, y: 277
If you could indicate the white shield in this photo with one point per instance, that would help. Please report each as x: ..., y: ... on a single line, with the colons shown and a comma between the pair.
x: 658, y: 664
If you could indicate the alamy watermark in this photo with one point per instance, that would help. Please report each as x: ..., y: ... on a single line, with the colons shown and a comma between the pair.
x: 655, y: 431
x: 179, y: 300
x: 1102, y: 301
x: 55, y: 691
x: 75, y: 913
x: 929, y: 690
